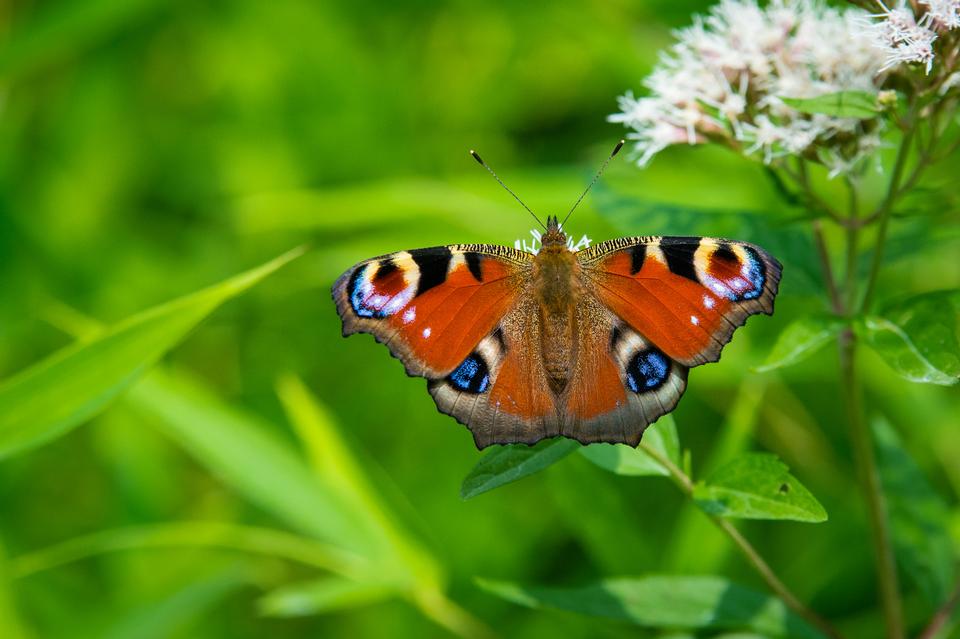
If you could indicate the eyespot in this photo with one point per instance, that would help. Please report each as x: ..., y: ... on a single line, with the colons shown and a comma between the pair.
x: 647, y: 370
x: 731, y: 271
x: 472, y: 375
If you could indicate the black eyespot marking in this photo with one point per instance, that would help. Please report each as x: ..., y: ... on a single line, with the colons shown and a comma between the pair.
x: 433, y: 264
x: 384, y: 269
x: 679, y: 252
x: 473, y: 263
x: 638, y: 254
x: 615, y: 336
x: 648, y: 370
x: 472, y: 376
x: 725, y: 254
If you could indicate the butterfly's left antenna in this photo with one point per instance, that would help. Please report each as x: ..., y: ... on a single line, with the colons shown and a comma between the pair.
x: 616, y: 150
x: 477, y: 157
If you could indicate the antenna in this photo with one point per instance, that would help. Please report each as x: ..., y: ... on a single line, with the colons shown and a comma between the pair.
x: 477, y: 157
x: 616, y: 150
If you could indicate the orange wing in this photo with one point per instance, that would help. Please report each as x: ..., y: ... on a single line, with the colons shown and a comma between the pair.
x: 686, y: 295
x: 432, y: 306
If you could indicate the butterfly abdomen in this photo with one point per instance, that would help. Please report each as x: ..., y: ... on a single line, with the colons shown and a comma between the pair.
x: 556, y: 285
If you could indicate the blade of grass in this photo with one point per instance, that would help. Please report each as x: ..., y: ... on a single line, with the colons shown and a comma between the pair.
x: 74, y: 384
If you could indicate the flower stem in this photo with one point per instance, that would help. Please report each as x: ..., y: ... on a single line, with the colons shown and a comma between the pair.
x: 884, y: 211
x: 942, y: 616
x: 685, y: 483
x: 869, y: 480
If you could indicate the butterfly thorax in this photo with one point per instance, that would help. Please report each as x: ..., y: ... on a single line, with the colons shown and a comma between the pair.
x: 556, y: 277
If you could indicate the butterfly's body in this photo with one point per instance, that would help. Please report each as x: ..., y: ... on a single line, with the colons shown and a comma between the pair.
x: 593, y: 345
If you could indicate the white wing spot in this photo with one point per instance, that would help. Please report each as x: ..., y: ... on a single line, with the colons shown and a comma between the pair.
x: 410, y: 314
x: 695, y: 320
x: 426, y: 332
x: 708, y: 302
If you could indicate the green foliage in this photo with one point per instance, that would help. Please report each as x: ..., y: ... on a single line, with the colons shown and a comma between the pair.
x: 321, y: 596
x: 800, y: 339
x: 844, y: 104
x: 757, y: 486
x: 624, y: 460
x: 919, y: 337
x: 505, y: 464
x: 918, y: 516
x: 665, y: 602
x: 74, y: 384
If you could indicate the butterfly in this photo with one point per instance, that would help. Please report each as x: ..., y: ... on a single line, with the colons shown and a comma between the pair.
x: 593, y: 344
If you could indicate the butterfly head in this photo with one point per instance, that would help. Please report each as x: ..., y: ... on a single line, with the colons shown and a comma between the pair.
x: 553, y: 236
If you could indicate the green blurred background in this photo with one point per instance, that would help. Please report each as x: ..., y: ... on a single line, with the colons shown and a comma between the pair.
x: 150, y: 148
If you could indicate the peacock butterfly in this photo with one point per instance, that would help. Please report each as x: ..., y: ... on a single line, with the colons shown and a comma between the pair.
x: 590, y: 344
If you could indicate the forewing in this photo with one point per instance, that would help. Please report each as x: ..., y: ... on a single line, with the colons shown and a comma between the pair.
x: 433, y: 306
x: 684, y: 295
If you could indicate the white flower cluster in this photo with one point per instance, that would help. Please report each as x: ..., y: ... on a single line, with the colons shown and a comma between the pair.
x: 535, y: 243
x: 904, y: 38
x: 726, y: 77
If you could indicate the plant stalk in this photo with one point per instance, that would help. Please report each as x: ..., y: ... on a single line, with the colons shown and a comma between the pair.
x: 686, y: 486
x: 869, y: 480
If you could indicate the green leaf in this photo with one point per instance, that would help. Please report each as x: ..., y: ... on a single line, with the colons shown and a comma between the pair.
x: 919, y: 518
x: 169, y: 614
x: 801, y: 339
x: 321, y: 595
x: 249, y: 457
x: 506, y: 464
x: 63, y: 391
x: 676, y: 602
x: 626, y: 460
x: 333, y: 461
x: 757, y: 486
x: 187, y: 534
x: 844, y: 104
x: 919, y: 337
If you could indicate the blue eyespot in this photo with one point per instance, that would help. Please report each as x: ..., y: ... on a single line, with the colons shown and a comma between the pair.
x: 647, y: 370
x: 472, y: 376
x: 754, y: 275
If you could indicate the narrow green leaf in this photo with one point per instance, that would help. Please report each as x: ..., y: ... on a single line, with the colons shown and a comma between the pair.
x: 243, y: 452
x: 168, y: 615
x: 757, y: 486
x: 625, y: 460
x: 676, y: 602
x: 801, y: 339
x: 920, y: 337
x: 506, y: 464
x: 844, y: 104
x: 919, y: 518
x: 61, y: 392
x: 334, y: 463
x: 188, y: 534
x: 10, y: 623
x: 321, y: 595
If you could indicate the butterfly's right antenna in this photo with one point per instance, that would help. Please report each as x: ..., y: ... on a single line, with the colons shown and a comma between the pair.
x: 616, y: 150
x: 477, y: 157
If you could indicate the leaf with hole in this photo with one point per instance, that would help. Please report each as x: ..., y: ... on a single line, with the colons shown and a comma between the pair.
x: 757, y: 486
